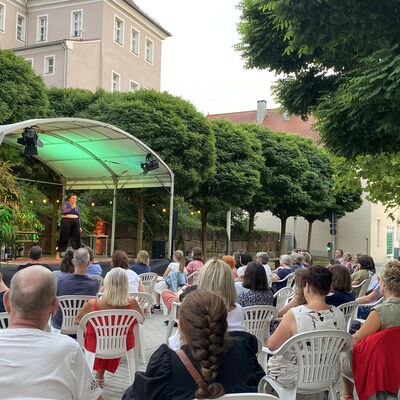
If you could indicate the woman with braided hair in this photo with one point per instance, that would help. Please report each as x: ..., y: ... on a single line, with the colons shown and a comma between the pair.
x: 206, y: 365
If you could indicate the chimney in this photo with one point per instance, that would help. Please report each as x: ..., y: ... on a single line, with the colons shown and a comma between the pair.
x: 261, y: 111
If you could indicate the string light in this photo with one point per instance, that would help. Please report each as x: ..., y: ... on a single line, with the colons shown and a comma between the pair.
x: 199, y: 212
x: 164, y: 210
x: 57, y: 201
x: 93, y: 204
x: 31, y: 201
x: 191, y: 212
x: 44, y: 201
x: 110, y: 201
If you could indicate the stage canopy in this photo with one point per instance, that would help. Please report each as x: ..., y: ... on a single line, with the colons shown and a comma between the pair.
x: 89, y: 154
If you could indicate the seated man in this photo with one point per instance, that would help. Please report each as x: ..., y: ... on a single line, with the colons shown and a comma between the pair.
x: 35, y: 254
x: 35, y: 364
x: 78, y: 283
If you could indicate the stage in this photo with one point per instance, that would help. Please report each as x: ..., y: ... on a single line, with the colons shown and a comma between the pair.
x: 9, y: 268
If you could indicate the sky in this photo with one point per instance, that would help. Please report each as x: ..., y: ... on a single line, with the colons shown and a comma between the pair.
x: 199, y: 62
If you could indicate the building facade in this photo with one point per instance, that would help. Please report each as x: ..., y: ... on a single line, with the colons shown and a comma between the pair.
x: 368, y: 230
x: 88, y: 44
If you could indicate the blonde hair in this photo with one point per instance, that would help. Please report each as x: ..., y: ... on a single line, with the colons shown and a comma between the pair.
x: 390, y: 276
x: 180, y: 258
x: 216, y: 276
x: 143, y: 257
x: 116, y: 287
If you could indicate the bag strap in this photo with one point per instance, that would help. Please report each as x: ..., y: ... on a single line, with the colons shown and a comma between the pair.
x: 191, y: 369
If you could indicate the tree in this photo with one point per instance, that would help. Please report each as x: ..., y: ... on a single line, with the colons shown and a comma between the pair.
x: 236, y: 178
x: 169, y: 125
x: 337, y: 54
x: 22, y: 93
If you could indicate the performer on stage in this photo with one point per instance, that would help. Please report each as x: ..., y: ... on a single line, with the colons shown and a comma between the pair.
x: 70, y: 225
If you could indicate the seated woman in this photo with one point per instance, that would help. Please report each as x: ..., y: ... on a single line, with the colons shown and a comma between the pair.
x: 259, y: 293
x: 230, y: 260
x: 93, y: 268
x: 281, y: 272
x: 341, y: 291
x: 347, y: 261
x: 66, y: 266
x: 382, y: 316
x: 315, y: 315
x: 366, y: 270
x: 120, y: 260
x: 196, y: 264
x: 142, y: 263
x: 244, y: 258
x: 178, y: 265
x: 207, y: 348
x: 115, y: 296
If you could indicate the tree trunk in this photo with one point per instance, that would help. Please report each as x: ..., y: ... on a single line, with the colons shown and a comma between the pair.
x: 53, y: 244
x: 310, y: 224
x: 283, y: 244
x: 140, y: 223
x: 250, y: 237
x: 204, y: 232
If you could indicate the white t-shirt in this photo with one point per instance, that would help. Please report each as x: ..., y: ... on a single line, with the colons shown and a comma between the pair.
x: 173, y: 267
x: 42, y: 365
x: 267, y: 269
x: 133, y: 280
x: 241, y: 271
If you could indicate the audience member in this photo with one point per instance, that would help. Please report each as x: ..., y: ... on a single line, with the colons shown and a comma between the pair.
x: 341, y: 291
x: 367, y: 269
x: 347, y: 261
x: 263, y: 258
x: 298, y: 298
x: 307, y: 260
x: 382, y: 316
x: 208, y: 349
x: 93, y: 268
x: 245, y: 258
x: 236, y: 256
x: 119, y: 259
x: 3, y: 289
x: 36, y: 364
x: 77, y: 283
x: 66, y: 266
x: 296, y: 260
x: 281, y: 272
x: 35, y: 254
x: 142, y: 263
x: 231, y: 262
x: 115, y: 296
x: 255, y: 280
x: 315, y: 315
x: 339, y: 255
x: 356, y: 262
x: 196, y: 264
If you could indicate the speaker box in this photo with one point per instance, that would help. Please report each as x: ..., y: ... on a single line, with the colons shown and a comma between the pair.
x: 158, y: 249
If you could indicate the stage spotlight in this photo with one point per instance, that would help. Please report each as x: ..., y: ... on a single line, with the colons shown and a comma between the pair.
x: 150, y: 164
x: 31, y: 141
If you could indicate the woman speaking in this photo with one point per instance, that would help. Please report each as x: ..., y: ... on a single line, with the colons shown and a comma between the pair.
x: 70, y: 225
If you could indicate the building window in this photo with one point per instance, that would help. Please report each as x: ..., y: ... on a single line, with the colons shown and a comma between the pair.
x: 135, y: 41
x: 133, y: 86
x: 30, y: 61
x: 42, y: 28
x: 115, y: 82
x: 21, y: 25
x: 76, y: 23
x: 389, y: 240
x: 49, y: 65
x: 2, y: 17
x: 149, y: 51
x: 119, y: 31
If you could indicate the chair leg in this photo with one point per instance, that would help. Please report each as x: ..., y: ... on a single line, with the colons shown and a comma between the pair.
x: 142, y: 353
x: 332, y: 393
x: 130, y: 356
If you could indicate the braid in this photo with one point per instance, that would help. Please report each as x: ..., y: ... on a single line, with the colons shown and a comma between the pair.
x: 202, y: 320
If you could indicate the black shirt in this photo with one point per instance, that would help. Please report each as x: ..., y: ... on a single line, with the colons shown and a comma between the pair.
x: 167, y: 378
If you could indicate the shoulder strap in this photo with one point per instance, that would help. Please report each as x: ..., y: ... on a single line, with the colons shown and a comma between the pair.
x: 191, y: 369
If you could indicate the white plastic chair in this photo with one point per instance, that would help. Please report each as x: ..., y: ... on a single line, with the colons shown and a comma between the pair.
x: 70, y: 307
x: 370, y: 305
x: 173, y: 318
x: 364, y: 285
x: 288, y: 280
x: 317, y: 355
x: 349, y: 311
x: 111, y: 328
x: 281, y: 296
x: 149, y: 280
x: 257, y: 320
x: 249, y: 396
x: 3, y: 320
x: 194, y: 278
x: 145, y: 302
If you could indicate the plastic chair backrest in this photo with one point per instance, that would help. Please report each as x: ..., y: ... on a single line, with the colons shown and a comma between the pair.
x: 348, y: 310
x: 281, y: 296
x: 70, y: 307
x: 364, y: 287
x: 148, y: 280
x: 257, y: 320
x: 111, y: 328
x: 3, y: 320
x: 317, y: 356
x: 144, y: 299
x: 290, y: 279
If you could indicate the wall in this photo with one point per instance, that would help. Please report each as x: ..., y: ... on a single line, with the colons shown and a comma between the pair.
x: 8, y: 37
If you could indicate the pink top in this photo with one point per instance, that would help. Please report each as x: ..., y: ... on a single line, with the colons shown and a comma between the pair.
x: 193, y: 266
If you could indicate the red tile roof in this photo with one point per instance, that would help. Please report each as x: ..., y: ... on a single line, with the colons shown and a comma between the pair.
x: 275, y: 121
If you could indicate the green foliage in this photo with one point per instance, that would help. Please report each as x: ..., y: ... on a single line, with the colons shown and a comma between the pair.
x: 22, y: 93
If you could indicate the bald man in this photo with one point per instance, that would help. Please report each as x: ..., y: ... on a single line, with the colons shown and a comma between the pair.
x: 36, y: 364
